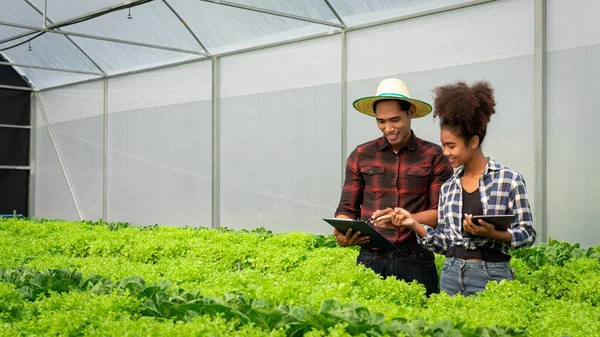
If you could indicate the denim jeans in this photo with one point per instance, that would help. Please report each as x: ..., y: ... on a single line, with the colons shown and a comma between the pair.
x: 471, y: 276
x: 411, y: 262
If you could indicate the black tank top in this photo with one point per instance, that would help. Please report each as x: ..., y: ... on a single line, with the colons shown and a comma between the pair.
x: 471, y: 203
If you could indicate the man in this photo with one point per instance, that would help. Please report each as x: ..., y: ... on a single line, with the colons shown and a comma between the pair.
x: 396, y: 170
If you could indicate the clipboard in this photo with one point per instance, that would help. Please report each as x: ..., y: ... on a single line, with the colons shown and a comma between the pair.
x: 376, y: 240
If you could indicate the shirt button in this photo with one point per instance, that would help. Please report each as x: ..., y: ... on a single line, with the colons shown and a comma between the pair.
x: 395, y: 194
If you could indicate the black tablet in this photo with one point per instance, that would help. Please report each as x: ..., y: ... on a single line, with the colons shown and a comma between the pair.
x: 376, y: 240
x: 500, y: 222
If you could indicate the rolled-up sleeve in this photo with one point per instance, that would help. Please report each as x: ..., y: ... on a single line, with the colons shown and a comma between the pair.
x: 436, y: 240
x: 522, y: 233
x: 352, y: 192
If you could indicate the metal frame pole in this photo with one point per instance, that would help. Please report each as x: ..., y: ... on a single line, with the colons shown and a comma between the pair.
x: 216, y: 142
x: 32, y: 153
x: 15, y: 87
x: 344, y: 104
x: 10, y: 126
x: 68, y: 37
x: 335, y: 12
x: 22, y: 65
x: 93, y: 37
x: 105, y: 153
x: 187, y: 27
x: 44, y: 11
x: 539, y: 113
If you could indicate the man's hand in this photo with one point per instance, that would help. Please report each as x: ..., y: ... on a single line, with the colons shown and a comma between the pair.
x: 349, y: 239
x: 382, y: 217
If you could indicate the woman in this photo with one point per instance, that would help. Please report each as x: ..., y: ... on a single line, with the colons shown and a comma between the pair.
x: 475, y: 253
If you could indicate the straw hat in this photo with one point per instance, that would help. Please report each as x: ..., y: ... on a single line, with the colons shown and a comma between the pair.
x: 391, y: 88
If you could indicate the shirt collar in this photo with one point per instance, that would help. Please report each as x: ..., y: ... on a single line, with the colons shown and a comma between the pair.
x: 490, y: 166
x: 411, y: 145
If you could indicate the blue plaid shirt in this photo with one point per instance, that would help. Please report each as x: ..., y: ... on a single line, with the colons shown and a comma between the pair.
x: 502, y: 191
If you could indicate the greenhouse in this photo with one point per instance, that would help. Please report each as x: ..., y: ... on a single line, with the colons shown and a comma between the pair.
x: 151, y: 149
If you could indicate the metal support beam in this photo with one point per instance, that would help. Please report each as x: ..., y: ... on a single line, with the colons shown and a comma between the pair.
x: 10, y: 126
x: 105, y: 153
x: 126, y: 73
x: 77, y: 19
x: 14, y: 87
x: 60, y: 159
x: 32, y: 154
x: 94, y: 37
x: 344, y: 104
x: 68, y: 37
x: 539, y: 118
x: 335, y: 12
x: 187, y: 27
x: 270, y: 12
x: 44, y: 11
x: 97, y: 13
x: 216, y: 143
x: 16, y: 37
x: 49, y: 68
x: 14, y: 167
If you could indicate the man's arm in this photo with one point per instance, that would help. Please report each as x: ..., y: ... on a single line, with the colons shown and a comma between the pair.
x: 350, y: 202
x: 352, y: 192
x: 442, y: 171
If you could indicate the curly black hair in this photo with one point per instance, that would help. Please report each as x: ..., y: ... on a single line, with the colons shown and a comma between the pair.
x: 467, y: 110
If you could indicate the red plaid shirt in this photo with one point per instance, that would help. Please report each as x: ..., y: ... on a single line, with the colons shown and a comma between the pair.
x: 377, y: 178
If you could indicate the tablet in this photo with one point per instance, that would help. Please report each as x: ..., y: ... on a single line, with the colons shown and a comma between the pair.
x: 376, y: 240
x: 500, y: 222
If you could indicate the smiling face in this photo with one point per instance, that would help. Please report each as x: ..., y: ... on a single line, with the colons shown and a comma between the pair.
x: 394, y: 123
x: 458, y: 151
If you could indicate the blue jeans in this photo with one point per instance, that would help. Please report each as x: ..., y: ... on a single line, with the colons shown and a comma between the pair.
x: 411, y: 262
x: 471, y: 276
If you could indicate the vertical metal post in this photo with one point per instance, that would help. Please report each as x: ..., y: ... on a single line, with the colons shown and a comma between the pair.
x: 216, y: 143
x: 539, y: 70
x: 44, y: 12
x: 344, y: 104
x: 105, y: 153
x: 32, y: 154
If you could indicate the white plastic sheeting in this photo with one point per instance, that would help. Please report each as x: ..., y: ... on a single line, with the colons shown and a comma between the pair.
x: 159, y: 149
x: 281, y: 137
x: 356, y: 12
x: 159, y: 161
x: 572, y: 116
x: 75, y: 116
x: 219, y: 27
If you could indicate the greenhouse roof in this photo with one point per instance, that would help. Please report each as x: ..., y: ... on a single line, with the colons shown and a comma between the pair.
x: 57, y: 42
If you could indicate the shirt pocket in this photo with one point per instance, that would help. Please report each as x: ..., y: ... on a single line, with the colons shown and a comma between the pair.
x: 373, y: 177
x: 372, y: 170
x: 417, y: 179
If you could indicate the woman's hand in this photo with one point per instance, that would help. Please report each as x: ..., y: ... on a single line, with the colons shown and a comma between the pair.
x: 483, y: 229
x: 402, y: 218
